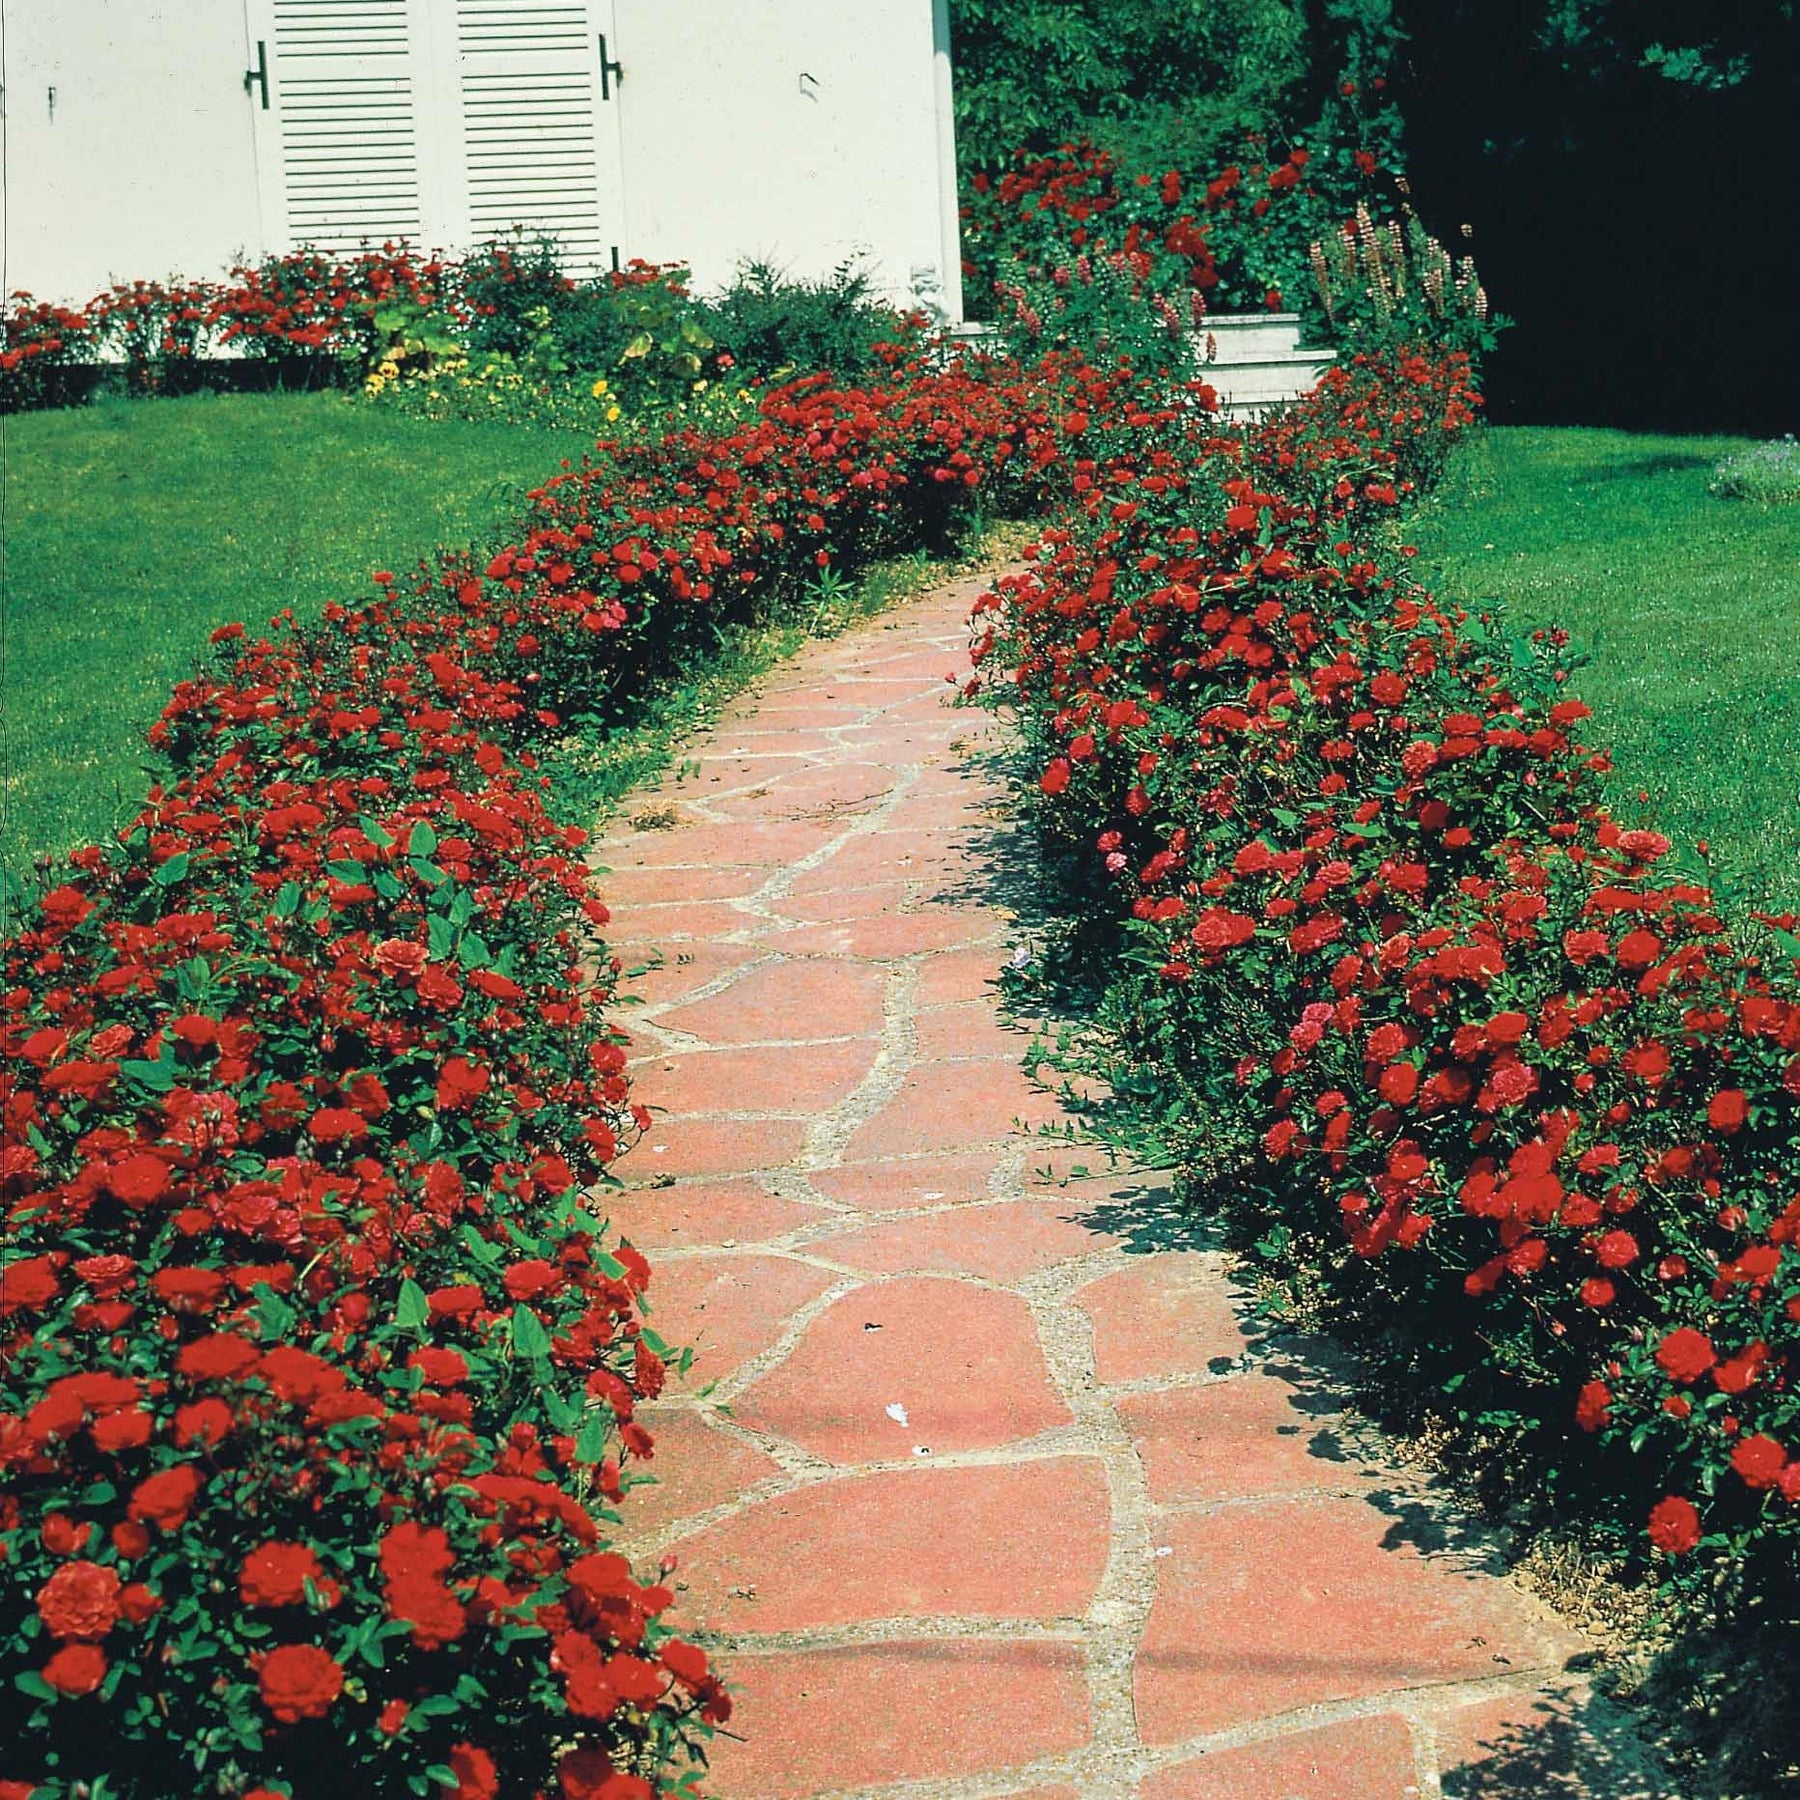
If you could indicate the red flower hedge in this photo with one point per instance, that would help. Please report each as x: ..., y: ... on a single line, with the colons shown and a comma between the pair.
x: 319, y: 1376
x: 1406, y: 1002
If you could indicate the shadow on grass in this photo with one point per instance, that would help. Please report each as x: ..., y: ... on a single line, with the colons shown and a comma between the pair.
x: 1641, y: 468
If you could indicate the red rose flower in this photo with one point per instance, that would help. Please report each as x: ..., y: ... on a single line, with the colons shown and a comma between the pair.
x: 81, y: 1600
x: 435, y: 1614
x: 1686, y: 1354
x: 165, y: 1500
x: 461, y: 1084
x: 1674, y: 1525
x: 276, y: 1574
x: 299, y: 1681
x: 1616, y: 1250
x: 76, y: 1669
x: 1758, y: 1460
x: 298, y: 1376
x: 1728, y: 1110
x: 138, y: 1180
x: 476, y: 1776
x: 221, y: 1357
x: 588, y: 1774
x: 531, y: 1279
x: 1593, y: 1406
x: 441, y: 1368
x: 138, y: 1603
x: 121, y: 1431
x: 28, y: 1286
x: 204, y: 1422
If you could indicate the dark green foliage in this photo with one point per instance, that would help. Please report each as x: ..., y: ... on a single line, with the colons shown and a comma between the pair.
x: 1168, y: 83
x: 768, y: 322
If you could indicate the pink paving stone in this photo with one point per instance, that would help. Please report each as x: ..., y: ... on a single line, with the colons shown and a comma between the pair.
x: 1167, y: 1314
x: 943, y: 1106
x: 1004, y: 1243
x: 829, y: 792
x: 887, y: 856
x: 746, y: 736
x: 684, y: 919
x: 729, y: 1306
x: 787, y: 1000
x: 704, y: 846
x: 707, y: 1213
x: 697, y: 1467
x: 963, y: 1363
x: 626, y: 889
x: 967, y: 808
x: 969, y: 1028
x: 1229, y: 1439
x: 842, y: 903
x: 1559, y: 1740
x: 798, y: 1078
x: 1361, y: 1759
x: 931, y: 1709
x: 1009, y: 1541
x: 900, y: 1183
x: 1288, y: 1603
x: 722, y: 771
x: 959, y: 975
x: 886, y: 937
x: 675, y: 1147
x: 684, y: 968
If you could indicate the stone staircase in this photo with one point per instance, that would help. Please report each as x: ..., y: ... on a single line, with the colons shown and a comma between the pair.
x: 1254, y: 361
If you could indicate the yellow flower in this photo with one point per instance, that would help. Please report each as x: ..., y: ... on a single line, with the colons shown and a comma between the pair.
x: 612, y: 415
x: 599, y: 388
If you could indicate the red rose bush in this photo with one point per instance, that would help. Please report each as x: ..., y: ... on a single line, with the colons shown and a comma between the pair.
x: 1483, y: 1069
x: 321, y: 1365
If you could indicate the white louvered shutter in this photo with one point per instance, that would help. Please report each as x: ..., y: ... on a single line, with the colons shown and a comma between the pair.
x: 540, y: 137
x: 344, y: 152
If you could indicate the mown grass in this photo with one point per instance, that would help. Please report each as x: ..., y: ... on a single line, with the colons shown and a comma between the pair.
x: 132, y: 530
x: 1689, y: 605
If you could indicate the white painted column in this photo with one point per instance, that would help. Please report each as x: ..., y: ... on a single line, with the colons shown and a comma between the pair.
x: 949, y: 205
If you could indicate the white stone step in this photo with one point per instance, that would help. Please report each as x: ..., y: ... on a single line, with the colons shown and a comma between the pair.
x: 1254, y: 359
x: 1247, y: 337
x: 1269, y: 377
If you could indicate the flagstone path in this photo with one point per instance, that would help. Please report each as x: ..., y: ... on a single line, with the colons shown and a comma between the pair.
x: 976, y: 1490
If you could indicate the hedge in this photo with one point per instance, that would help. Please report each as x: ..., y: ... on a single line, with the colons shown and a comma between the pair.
x: 320, y: 1365
x: 1485, y: 1074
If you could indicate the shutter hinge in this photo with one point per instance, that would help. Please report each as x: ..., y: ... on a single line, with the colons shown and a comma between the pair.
x: 259, y: 76
x: 609, y: 71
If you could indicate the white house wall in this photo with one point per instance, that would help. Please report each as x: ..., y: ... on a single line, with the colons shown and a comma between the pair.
x: 801, y: 132
x: 128, y: 142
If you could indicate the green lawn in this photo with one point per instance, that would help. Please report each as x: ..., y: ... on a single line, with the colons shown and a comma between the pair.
x: 1690, y: 606
x: 131, y: 530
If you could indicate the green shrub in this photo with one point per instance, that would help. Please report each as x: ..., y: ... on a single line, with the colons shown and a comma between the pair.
x: 768, y: 324
x: 1768, y: 472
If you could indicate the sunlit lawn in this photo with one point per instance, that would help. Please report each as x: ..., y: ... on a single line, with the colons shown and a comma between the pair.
x: 131, y: 530
x: 1689, y: 604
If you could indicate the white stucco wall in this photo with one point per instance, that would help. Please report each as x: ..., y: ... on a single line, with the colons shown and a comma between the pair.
x: 801, y: 132
x: 128, y: 142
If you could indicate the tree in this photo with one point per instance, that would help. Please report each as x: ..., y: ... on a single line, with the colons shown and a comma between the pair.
x: 1169, y: 83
